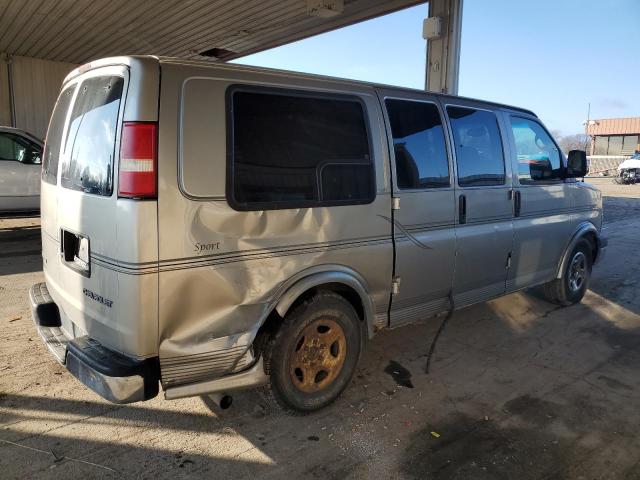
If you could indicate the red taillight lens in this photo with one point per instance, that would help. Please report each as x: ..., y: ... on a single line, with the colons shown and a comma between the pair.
x: 138, y: 160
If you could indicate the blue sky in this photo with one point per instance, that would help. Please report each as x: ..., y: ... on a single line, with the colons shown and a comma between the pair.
x: 553, y: 57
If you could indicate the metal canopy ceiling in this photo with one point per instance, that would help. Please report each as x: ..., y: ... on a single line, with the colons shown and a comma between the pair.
x: 78, y: 31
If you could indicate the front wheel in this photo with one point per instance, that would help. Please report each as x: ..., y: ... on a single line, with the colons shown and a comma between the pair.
x: 573, y: 284
x: 313, y: 355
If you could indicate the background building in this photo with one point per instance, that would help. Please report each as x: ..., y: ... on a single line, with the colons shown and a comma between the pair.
x: 614, y: 136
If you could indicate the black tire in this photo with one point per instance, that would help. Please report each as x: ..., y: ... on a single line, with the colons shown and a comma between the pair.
x: 571, y: 287
x: 293, y: 343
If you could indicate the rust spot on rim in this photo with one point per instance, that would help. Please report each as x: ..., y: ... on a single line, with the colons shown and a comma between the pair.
x: 318, y: 355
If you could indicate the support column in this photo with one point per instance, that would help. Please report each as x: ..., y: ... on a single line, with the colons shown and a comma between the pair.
x: 442, y: 30
x: 6, y: 102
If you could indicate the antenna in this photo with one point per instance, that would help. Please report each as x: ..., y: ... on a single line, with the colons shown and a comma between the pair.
x: 586, y: 126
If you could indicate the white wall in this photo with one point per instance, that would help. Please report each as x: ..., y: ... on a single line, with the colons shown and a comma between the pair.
x: 36, y: 84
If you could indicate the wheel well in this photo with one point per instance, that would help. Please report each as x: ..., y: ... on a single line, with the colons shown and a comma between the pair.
x: 274, y: 320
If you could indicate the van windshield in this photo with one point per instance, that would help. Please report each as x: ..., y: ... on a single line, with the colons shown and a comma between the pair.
x: 91, y: 136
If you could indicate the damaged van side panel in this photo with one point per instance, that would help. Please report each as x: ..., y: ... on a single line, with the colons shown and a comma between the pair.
x: 222, y: 271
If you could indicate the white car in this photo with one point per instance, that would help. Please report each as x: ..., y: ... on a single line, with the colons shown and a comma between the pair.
x: 20, y: 164
x: 632, y: 163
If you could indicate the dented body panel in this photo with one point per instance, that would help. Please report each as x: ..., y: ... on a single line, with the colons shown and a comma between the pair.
x: 222, y: 271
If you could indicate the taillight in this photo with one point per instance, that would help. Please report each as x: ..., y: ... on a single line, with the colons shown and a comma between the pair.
x: 138, y: 160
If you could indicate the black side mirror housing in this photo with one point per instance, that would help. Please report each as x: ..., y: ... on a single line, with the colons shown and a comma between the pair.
x: 577, y: 164
x: 540, y: 169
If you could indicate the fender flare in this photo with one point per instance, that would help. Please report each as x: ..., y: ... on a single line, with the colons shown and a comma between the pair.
x: 341, y: 275
x: 585, y: 228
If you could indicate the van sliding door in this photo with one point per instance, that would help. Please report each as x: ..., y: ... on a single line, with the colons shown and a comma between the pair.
x: 423, y: 223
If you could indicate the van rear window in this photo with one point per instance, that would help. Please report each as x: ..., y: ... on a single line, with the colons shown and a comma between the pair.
x: 91, y: 136
x: 298, y: 150
x: 419, y: 145
x: 53, y: 144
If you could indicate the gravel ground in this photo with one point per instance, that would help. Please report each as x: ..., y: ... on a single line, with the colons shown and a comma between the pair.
x: 518, y: 388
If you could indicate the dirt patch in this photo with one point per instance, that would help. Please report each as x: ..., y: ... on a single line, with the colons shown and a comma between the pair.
x: 615, y: 384
x: 468, y: 448
x: 578, y: 416
x: 533, y: 410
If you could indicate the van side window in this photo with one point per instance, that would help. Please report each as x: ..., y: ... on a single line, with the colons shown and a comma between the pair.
x: 478, y: 144
x: 291, y: 150
x: 91, y: 136
x: 538, y: 156
x: 418, y: 143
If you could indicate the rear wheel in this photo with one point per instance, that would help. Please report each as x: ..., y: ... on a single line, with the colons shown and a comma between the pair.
x: 313, y: 355
x: 573, y: 284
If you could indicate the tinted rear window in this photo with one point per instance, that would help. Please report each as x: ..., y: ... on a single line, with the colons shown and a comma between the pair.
x: 52, y: 149
x: 295, y: 150
x: 418, y: 143
x: 91, y: 136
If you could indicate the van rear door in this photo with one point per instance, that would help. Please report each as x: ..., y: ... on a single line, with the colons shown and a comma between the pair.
x: 79, y: 202
x: 423, y: 225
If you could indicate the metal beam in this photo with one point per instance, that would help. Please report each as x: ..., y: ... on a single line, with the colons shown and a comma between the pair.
x: 442, y: 30
x: 6, y: 102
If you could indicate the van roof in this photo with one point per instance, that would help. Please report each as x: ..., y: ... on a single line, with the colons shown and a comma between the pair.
x: 299, y: 75
x: 250, y: 68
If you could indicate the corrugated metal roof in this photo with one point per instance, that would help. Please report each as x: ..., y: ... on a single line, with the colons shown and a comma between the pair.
x: 78, y: 31
x: 614, y: 126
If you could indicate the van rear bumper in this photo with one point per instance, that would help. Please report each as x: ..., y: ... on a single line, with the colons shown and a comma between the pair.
x: 113, y: 376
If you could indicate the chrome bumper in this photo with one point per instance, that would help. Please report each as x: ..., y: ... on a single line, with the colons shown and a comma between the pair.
x: 113, y: 376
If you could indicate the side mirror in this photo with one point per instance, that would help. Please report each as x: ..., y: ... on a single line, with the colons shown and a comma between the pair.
x: 36, y: 157
x: 540, y: 169
x: 577, y: 164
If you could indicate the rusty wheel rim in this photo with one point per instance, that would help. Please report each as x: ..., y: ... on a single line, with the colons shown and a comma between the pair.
x: 318, y: 355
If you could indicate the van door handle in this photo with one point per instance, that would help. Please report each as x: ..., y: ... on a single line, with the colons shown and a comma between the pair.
x: 74, y: 250
x: 517, y: 203
x: 462, y: 209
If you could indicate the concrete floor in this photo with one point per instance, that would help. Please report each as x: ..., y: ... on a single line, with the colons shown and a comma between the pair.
x: 518, y: 389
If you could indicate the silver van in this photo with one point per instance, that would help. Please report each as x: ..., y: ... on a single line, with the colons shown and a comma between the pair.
x: 211, y: 227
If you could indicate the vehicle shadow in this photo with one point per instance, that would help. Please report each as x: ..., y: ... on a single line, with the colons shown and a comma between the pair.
x: 518, y: 388
x: 622, y: 207
x: 619, y: 273
x: 25, y: 214
x: 20, y: 249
